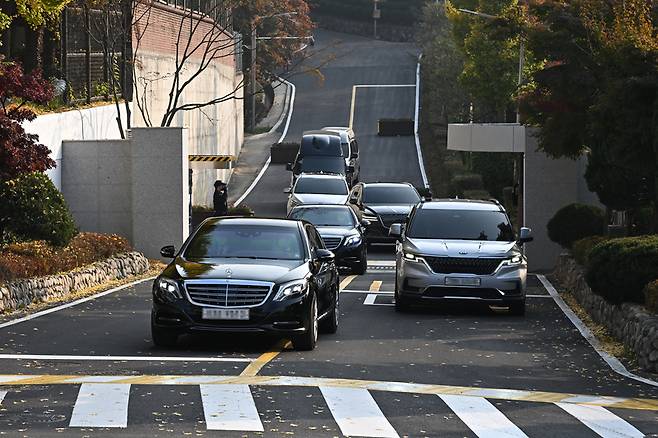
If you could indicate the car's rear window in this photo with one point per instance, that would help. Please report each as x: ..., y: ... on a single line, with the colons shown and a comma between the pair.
x: 245, y: 241
x: 461, y: 225
x: 402, y: 194
x: 322, y: 186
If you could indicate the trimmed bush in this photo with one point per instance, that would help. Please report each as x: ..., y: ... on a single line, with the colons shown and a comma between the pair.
x: 583, y: 247
x: 619, y: 269
x: 33, y: 209
x: 651, y: 296
x: 38, y: 258
x: 575, y: 222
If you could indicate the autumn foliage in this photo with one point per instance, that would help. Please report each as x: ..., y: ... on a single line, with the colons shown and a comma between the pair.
x: 21, y: 152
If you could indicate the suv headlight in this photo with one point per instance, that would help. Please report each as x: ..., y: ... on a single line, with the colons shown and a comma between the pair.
x: 353, y: 240
x: 370, y: 218
x: 167, y: 290
x: 291, y: 290
x: 411, y: 256
x: 515, y: 260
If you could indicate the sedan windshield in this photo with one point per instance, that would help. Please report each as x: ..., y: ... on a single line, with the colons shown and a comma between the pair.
x: 323, y: 164
x: 321, y: 186
x: 325, y: 217
x: 246, y: 241
x: 461, y: 225
x: 403, y: 194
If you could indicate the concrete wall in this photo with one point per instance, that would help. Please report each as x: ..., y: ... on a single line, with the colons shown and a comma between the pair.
x: 137, y: 188
x: 214, y: 130
x: 550, y: 185
x: 84, y: 124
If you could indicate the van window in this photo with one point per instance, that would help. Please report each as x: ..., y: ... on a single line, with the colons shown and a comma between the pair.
x: 321, y: 145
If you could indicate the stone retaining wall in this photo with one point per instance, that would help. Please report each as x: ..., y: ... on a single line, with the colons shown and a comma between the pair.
x: 630, y: 323
x: 21, y: 293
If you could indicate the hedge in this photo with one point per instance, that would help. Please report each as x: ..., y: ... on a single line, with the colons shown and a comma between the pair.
x: 575, y: 222
x: 38, y: 258
x: 619, y: 269
x: 582, y: 248
x: 651, y: 296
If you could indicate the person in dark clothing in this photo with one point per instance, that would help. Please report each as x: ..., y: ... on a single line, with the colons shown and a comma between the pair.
x: 220, y: 199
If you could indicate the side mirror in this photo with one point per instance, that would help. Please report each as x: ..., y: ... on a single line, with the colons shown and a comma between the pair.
x: 350, y: 169
x: 287, y: 190
x: 354, y: 155
x: 354, y: 200
x: 525, y: 235
x: 168, y: 252
x: 365, y: 223
x: 324, y: 255
x: 395, y: 231
x: 289, y: 167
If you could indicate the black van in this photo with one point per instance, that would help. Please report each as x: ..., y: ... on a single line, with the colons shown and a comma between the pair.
x: 321, y: 152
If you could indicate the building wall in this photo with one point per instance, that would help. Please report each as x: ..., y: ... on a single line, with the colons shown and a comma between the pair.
x: 137, y: 188
x: 85, y: 124
x: 550, y: 185
x: 214, y: 130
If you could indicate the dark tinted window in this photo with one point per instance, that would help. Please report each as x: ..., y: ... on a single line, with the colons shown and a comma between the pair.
x: 246, y: 241
x: 402, y: 194
x: 324, y: 186
x: 327, y: 217
x: 323, y: 164
x: 461, y: 225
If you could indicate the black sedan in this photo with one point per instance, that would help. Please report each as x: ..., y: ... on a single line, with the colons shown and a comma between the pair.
x: 383, y: 204
x: 247, y: 275
x: 341, y: 231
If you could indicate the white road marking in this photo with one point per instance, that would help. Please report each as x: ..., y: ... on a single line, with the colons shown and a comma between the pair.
x: 419, y: 150
x: 483, y: 418
x: 72, y: 304
x: 269, y: 159
x: 601, y: 421
x: 366, y: 292
x: 370, y: 300
x: 2, y: 396
x: 230, y: 407
x: 101, y: 405
x: 374, y: 287
x: 612, y: 361
x: 357, y: 413
x: 382, y: 263
x: 59, y: 357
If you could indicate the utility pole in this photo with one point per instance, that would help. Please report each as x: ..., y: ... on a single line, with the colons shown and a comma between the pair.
x: 252, y: 79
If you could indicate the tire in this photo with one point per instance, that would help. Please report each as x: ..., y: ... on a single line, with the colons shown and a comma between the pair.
x: 401, y: 304
x: 517, y: 308
x: 308, y: 340
x: 362, y: 266
x: 330, y: 323
x: 165, y: 338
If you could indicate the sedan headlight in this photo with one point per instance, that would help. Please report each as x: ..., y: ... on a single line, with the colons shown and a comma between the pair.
x: 411, y: 257
x: 291, y: 290
x: 515, y: 260
x: 167, y: 290
x: 353, y: 240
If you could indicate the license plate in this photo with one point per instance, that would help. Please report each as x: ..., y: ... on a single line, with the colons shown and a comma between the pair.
x: 463, y: 281
x: 226, y: 314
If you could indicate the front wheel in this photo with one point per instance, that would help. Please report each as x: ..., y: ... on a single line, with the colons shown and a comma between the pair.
x: 361, y: 266
x: 517, y: 308
x: 162, y: 337
x: 330, y: 322
x: 401, y: 304
x: 308, y: 340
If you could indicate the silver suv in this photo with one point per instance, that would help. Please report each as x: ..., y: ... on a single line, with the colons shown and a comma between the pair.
x: 459, y: 250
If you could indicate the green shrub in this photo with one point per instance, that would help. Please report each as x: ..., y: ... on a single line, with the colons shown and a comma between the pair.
x: 582, y: 248
x: 497, y: 170
x: 33, y: 209
x: 574, y: 222
x: 651, y: 296
x: 38, y: 258
x: 619, y: 269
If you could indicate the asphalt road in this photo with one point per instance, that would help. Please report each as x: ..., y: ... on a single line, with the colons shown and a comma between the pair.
x: 91, y: 369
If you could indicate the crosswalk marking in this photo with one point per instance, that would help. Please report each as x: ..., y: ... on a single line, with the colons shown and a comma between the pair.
x: 357, y: 413
x: 601, y: 421
x: 374, y: 287
x: 230, y: 407
x: 101, y: 405
x: 2, y: 396
x: 483, y: 418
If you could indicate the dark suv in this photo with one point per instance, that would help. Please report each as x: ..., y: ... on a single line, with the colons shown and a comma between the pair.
x: 383, y: 204
x: 321, y: 152
x: 248, y: 275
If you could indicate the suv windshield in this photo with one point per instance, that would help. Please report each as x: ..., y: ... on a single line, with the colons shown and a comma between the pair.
x: 323, y: 164
x: 245, y: 241
x: 321, y: 186
x: 402, y: 194
x: 461, y: 225
x: 325, y: 217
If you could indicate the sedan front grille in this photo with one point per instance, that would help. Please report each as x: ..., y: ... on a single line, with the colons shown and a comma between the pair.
x: 390, y: 219
x: 458, y: 265
x: 227, y: 293
x: 332, y: 242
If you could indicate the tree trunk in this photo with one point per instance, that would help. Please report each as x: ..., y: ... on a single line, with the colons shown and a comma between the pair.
x: 655, y: 168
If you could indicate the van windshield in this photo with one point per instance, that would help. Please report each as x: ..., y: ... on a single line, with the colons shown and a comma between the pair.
x: 461, y: 225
